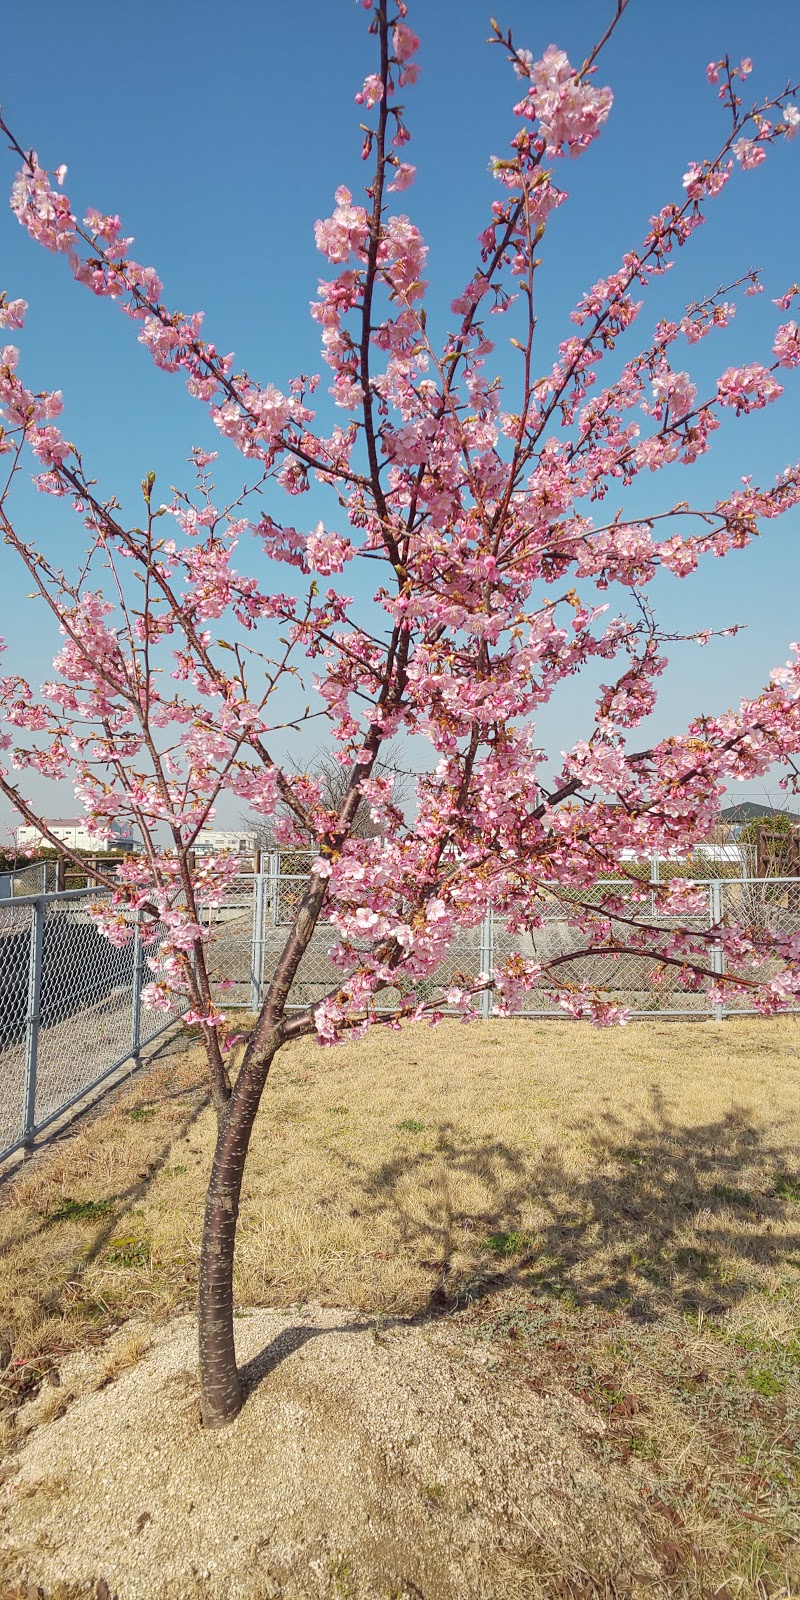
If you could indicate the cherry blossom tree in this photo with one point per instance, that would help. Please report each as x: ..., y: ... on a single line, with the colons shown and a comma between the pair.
x: 481, y: 515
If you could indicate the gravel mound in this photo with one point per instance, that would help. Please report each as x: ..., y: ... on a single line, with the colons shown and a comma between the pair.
x: 369, y: 1463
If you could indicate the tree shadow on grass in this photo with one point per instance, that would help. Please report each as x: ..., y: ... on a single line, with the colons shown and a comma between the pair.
x: 99, y: 1223
x: 114, y: 1206
x: 650, y: 1217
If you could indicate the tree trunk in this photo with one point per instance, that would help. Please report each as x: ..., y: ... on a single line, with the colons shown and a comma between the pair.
x: 221, y: 1395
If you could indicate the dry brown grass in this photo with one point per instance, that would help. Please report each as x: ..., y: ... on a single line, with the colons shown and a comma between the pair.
x: 124, y: 1354
x: 60, y: 1212
x: 637, y: 1164
x: 616, y: 1209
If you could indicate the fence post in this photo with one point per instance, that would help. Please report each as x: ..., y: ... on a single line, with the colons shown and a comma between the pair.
x: 136, y: 994
x: 274, y: 870
x: 257, y: 946
x: 717, y: 955
x: 486, y: 958
x: 655, y: 878
x: 33, y: 1020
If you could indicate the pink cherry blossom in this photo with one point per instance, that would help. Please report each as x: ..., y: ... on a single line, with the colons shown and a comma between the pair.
x: 404, y: 43
x: 403, y: 177
x: 749, y: 153
x: 786, y: 348
x: 327, y: 552
x: 747, y: 388
x: 371, y: 92
x: 570, y: 113
x: 676, y: 391
x: 12, y: 312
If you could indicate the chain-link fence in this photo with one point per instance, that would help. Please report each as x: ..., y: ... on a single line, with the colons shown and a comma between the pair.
x: 70, y: 1001
x: 253, y: 926
x: 70, y: 1008
x: 38, y: 877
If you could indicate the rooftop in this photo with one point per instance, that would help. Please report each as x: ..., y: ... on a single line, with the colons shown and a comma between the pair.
x: 751, y: 811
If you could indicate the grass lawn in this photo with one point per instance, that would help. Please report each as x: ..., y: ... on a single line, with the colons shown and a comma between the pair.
x: 615, y: 1213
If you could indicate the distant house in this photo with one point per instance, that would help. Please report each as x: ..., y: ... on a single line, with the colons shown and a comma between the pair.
x: 738, y: 816
x: 75, y: 833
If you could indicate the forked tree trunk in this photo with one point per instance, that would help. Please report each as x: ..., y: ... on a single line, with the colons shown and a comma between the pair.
x: 221, y: 1394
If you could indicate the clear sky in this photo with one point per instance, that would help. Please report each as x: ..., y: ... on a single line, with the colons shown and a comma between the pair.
x: 219, y: 134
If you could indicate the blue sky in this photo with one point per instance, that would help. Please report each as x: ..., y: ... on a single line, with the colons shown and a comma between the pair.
x: 219, y: 135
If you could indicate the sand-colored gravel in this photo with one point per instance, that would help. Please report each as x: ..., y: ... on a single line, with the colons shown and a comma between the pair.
x: 371, y: 1462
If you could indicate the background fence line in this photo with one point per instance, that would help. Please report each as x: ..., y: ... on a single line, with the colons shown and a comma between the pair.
x: 249, y: 931
x: 71, y: 1010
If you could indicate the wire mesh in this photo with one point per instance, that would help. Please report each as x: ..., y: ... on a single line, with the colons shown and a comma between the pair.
x: 41, y: 877
x: 233, y: 954
x: 38, y: 877
x: 636, y: 981
x: 760, y: 907
x: 70, y: 1010
x: 85, y: 1009
x: 15, y: 954
x: 146, y: 1022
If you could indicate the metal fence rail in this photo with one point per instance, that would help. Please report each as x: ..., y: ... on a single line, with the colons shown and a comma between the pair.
x: 70, y: 1009
x: 70, y: 1001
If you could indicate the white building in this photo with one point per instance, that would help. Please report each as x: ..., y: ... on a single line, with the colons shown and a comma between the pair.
x: 74, y: 832
x: 225, y: 841
x: 729, y: 854
x: 720, y: 852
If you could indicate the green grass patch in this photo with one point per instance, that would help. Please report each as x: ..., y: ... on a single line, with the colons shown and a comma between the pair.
x: 433, y: 1492
x: 128, y: 1252
x: 765, y: 1382
x: 731, y: 1196
x: 786, y: 1185
x: 82, y: 1210
x: 634, y: 1158
x: 701, y: 1263
x: 509, y: 1244
x: 340, y: 1569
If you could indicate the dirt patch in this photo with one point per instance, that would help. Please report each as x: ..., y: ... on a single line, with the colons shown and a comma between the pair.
x: 370, y: 1463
